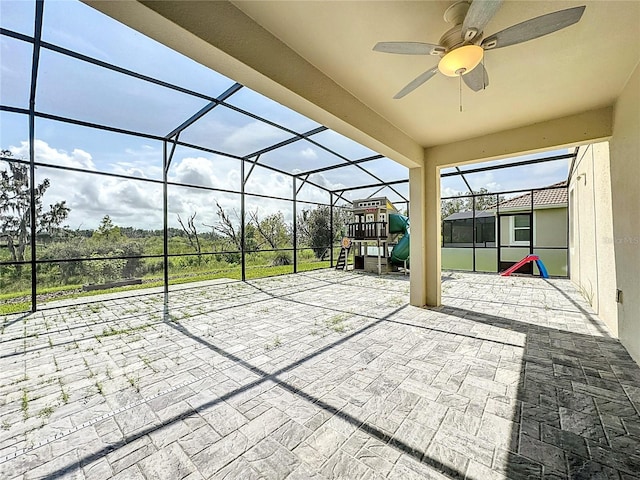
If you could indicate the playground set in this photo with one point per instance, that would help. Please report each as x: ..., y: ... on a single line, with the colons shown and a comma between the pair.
x: 378, y: 236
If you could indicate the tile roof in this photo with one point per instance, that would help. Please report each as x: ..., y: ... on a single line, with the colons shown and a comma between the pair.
x: 553, y: 196
x: 469, y: 214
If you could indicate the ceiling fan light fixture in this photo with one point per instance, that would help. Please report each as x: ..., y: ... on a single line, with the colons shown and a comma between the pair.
x: 461, y: 60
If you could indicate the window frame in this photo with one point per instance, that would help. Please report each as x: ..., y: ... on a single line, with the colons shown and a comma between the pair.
x: 513, y: 228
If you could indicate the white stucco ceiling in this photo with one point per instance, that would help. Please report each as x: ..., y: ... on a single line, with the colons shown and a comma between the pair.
x: 580, y: 68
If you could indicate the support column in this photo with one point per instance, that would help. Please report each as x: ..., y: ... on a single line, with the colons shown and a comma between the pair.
x: 165, y: 221
x: 417, y: 270
x: 424, y: 212
x: 331, y: 232
x: 294, y: 240
x: 433, y: 228
x: 243, y: 243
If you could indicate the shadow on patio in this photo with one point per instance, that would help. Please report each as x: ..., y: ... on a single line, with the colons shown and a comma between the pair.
x: 333, y: 376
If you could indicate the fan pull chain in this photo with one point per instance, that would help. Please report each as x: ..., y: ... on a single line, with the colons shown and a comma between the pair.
x: 460, y: 77
x: 484, y: 76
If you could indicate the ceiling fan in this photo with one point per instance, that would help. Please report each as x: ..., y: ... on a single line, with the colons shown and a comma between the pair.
x: 462, y: 47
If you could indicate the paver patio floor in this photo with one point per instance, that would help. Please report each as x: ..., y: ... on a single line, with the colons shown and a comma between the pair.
x: 321, y: 375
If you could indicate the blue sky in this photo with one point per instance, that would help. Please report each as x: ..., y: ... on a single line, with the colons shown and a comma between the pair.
x: 75, y: 89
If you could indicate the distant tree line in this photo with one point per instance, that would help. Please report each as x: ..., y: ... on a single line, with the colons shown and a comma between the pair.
x: 15, y: 208
x: 485, y: 200
x: 87, y: 255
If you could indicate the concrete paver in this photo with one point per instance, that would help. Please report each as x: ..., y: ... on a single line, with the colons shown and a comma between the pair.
x: 320, y: 375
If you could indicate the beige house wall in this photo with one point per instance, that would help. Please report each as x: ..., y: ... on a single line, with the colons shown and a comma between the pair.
x: 591, y: 252
x: 550, y: 227
x: 625, y: 201
x: 505, y: 225
x: 549, y: 224
x: 604, y: 201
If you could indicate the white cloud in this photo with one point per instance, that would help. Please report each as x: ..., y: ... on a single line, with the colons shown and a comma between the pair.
x: 266, y: 182
x: 195, y: 171
x: 142, y: 162
x: 139, y: 204
x: 46, y: 154
x: 251, y: 137
x: 323, y: 181
x: 213, y: 171
x: 493, y: 186
x: 90, y: 196
x: 487, y: 180
x: 309, y: 153
x: 448, y: 192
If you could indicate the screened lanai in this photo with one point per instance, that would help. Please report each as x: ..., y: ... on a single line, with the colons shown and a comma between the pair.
x: 227, y: 348
x: 140, y: 163
x: 143, y: 168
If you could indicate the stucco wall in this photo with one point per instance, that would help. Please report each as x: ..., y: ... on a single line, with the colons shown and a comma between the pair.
x: 550, y: 227
x: 505, y: 227
x: 625, y: 189
x: 591, y: 247
x: 550, y: 231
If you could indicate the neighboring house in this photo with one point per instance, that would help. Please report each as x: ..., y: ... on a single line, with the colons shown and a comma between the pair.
x: 457, y: 229
x: 523, y: 225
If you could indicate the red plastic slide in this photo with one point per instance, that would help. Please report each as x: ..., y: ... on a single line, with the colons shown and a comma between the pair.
x: 527, y: 259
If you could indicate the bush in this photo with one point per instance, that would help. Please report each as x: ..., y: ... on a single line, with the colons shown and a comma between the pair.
x: 281, y: 258
x: 93, y: 271
x: 232, y: 258
x: 102, y: 271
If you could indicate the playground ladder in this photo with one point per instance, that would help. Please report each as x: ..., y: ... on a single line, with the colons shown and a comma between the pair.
x: 341, y: 264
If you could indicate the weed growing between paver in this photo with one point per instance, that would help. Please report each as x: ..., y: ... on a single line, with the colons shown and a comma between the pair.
x: 449, y: 378
x: 275, y: 343
x: 108, y: 332
x: 337, y: 323
x: 101, y: 356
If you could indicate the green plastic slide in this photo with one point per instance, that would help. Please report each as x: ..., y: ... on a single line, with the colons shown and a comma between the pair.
x: 399, y: 224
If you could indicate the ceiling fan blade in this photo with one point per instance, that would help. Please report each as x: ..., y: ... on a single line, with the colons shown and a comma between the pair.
x: 534, y: 28
x: 478, y: 15
x: 409, y: 48
x: 477, y: 79
x: 416, y: 83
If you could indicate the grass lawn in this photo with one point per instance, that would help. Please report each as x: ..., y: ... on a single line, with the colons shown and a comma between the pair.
x: 16, y: 302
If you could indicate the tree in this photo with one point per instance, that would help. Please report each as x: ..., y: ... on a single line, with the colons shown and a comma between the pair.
x: 272, y: 229
x: 107, y: 231
x: 314, y: 228
x: 452, y: 205
x: 192, y: 233
x: 227, y: 228
x: 107, y: 247
x: 486, y: 201
x: 15, y: 208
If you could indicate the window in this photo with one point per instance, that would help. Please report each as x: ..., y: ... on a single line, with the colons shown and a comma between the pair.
x: 485, y: 231
x: 521, y: 231
x: 459, y: 232
x: 446, y: 232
